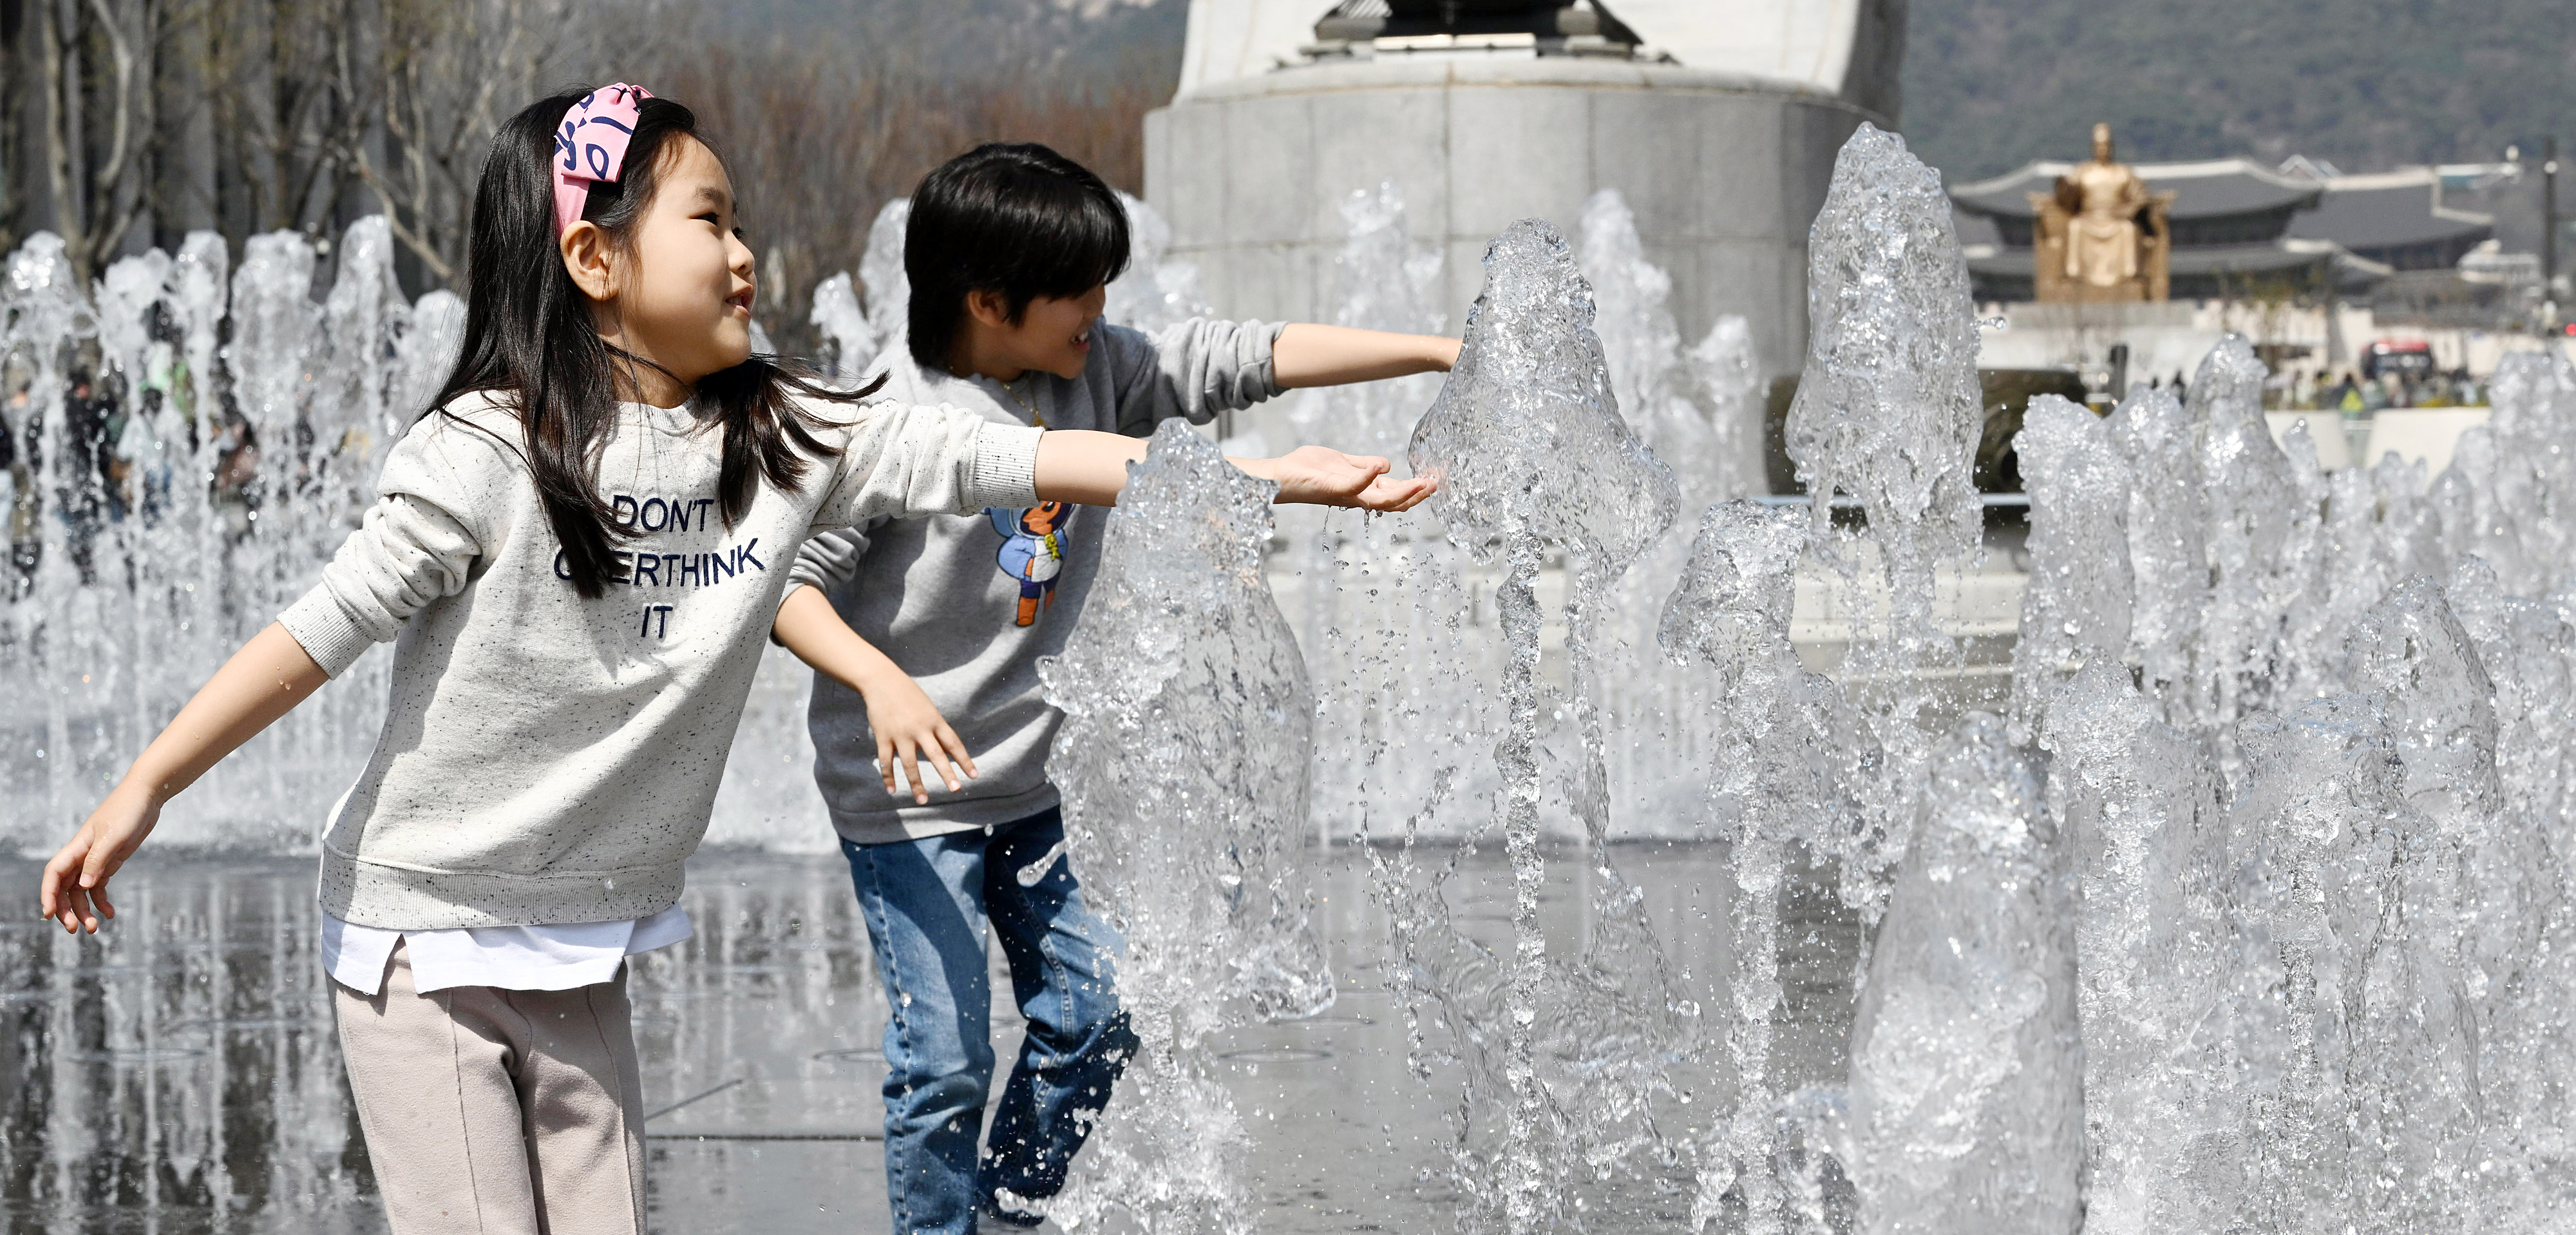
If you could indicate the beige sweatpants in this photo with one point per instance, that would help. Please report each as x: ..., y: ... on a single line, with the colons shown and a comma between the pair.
x: 498, y: 1112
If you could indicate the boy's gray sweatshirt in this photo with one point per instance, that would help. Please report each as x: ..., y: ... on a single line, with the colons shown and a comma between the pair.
x: 968, y: 605
x: 550, y: 759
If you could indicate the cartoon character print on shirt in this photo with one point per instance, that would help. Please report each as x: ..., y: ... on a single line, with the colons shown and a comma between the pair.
x: 1033, y: 542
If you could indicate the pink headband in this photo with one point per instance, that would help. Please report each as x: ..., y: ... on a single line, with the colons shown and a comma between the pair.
x: 590, y: 146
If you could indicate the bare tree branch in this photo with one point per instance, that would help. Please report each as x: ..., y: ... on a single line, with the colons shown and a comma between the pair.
x: 124, y: 56
x: 59, y: 145
x: 319, y: 106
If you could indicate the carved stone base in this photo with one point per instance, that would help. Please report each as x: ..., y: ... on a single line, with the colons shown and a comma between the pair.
x: 2123, y: 292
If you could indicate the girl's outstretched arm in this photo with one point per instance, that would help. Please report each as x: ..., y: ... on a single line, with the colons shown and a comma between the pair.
x: 263, y: 681
x: 1306, y: 354
x: 1090, y: 468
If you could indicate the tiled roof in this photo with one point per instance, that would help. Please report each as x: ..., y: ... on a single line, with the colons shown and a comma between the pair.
x: 2205, y: 189
x: 2232, y: 260
x: 2388, y: 211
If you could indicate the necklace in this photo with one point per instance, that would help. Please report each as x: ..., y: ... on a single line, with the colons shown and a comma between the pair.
x: 1029, y: 404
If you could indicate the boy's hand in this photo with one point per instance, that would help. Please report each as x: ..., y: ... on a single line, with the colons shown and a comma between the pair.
x: 73, y: 889
x: 1321, y: 476
x: 906, y: 723
x: 908, y: 726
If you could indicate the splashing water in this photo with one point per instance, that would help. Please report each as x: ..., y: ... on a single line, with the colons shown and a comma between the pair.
x: 2249, y: 494
x: 2159, y: 1008
x: 1530, y: 390
x: 1697, y: 412
x: 851, y: 342
x: 1888, y: 411
x: 1840, y: 775
x: 229, y: 474
x: 2079, y: 495
x: 1888, y: 414
x: 881, y: 270
x: 2249, y: 912
x: 1774, y: 785
x: 2323, y: 916
x: 2168, y: 544
x: 1966, y: 1105
x: 1692, y: 408
x: 1368, y: 595
x: 1153, y: 293
x: 1182, y: 763
x: 2287, y: 735
x: 1987, y: 1081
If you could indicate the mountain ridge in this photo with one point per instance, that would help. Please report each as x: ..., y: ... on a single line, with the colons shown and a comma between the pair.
x: 2366, y: 84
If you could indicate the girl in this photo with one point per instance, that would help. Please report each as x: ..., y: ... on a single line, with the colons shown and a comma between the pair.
x: 578, y: 554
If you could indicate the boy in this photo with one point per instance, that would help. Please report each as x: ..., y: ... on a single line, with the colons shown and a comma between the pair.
x: 1009, y: 250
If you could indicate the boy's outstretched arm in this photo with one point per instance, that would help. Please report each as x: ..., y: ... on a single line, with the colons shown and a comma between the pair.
x: 906, y: 724
x: 1090, y: 468
x: 263, y: 681
x: 1306, y: 354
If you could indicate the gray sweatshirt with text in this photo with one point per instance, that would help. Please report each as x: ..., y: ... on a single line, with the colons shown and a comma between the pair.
x: 968, y: 605
x: 551, y: 759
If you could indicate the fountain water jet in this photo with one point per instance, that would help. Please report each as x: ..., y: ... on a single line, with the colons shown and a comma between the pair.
x: 1966, y: 1104
x: 1362, y: 592
x: 1888, y: 413
x: 1182, y: 763
x: 1530, y: 389
x: 1775, y: 785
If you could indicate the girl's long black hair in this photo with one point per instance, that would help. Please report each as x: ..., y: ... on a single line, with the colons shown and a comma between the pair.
x: 529, y: 334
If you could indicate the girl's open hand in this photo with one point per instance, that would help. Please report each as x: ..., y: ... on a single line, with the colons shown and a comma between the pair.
x: 908, y: 727
x: 1322, y: 476
x: 73, y: 889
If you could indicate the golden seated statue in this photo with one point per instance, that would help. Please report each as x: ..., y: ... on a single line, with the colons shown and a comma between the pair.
x: 2102, y: 235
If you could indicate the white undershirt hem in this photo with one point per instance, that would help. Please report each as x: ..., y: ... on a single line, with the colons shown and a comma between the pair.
x: 514, y: 958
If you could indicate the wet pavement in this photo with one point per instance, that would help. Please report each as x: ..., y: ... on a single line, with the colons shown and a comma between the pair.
x: 179, y: 1074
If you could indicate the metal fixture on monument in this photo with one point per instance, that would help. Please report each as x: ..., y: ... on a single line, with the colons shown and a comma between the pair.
x: 1576, y: 29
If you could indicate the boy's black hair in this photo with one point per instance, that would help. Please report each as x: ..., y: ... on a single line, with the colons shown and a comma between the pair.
x: 529, y: 335
x: 1009, y: 217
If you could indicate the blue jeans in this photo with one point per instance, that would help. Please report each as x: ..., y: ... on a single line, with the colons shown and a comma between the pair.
x: 928, y: 903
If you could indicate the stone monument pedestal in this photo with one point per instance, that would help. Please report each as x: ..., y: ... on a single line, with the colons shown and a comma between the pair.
x: 1725, y: 172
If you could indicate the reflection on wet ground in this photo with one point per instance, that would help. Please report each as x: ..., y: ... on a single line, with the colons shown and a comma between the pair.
x: 179, y: 1073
